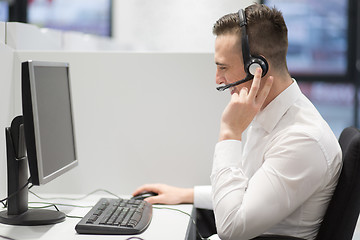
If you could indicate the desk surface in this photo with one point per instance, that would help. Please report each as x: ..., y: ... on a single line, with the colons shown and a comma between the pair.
x: 165, y: 224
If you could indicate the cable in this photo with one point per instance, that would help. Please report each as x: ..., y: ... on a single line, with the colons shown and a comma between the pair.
x: 57, y: 209
x: 14, y: 193
x: 80, y: 198
x: 175, y: 209
x: 61, y: 204
x: 47, y: 206
x: 64, y: 198
x: 68, y: 205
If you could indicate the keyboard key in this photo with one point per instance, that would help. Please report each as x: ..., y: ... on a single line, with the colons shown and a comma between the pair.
x: 131, y: 223
x: 136, y: 216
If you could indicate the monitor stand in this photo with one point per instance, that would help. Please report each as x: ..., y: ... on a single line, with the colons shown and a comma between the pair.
x: 17, y: 212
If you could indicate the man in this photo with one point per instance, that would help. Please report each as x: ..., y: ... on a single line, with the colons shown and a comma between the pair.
x: 277, y: 162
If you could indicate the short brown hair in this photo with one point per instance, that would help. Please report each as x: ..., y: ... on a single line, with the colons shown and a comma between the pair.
x: 266, y: 29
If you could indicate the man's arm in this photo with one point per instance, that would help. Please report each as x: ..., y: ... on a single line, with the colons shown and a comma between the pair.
x: 167, y: 194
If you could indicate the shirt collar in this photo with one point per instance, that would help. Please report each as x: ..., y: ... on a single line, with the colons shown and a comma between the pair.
x: 272, y: 113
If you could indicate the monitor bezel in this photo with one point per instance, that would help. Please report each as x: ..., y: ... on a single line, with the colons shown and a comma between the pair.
x: 31, y: 122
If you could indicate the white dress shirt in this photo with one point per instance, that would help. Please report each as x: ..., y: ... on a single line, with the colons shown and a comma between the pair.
x: 279, y: 179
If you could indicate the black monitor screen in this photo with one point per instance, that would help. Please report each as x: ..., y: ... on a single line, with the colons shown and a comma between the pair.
x: 55, y: 120
x: 48, y: 120
x: 318, y: 36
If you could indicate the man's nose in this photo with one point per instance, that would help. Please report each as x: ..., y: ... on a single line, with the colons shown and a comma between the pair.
x: 219, y: 79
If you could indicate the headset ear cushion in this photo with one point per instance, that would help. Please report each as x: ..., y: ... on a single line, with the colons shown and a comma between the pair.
x: 256, y: 62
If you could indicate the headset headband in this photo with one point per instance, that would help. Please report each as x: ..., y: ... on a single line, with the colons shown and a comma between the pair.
x: 244, y: 37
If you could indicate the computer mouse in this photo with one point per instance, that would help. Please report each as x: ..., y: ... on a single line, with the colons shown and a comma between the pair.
x: 143, y: 195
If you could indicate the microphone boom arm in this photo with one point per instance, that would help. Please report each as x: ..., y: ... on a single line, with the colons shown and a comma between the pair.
x: 223, y: 88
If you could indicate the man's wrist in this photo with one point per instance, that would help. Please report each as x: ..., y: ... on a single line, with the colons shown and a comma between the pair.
x: 188, y: 195
x: 228, y: 135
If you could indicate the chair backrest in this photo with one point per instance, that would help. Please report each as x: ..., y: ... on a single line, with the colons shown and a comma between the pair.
x: 341, y: 216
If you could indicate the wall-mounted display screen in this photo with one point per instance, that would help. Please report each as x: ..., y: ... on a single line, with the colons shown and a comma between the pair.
x: 93, y: 17
x: 4, y: 11
x: 318, y: 37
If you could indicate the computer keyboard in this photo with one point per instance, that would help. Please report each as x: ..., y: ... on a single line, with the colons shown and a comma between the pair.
x: 116, y: 216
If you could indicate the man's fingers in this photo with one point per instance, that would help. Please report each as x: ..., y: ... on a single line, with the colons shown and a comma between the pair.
x: 243, y: 92
x: 146, y: 187
x: 255, y: 86
x: 156, y: 199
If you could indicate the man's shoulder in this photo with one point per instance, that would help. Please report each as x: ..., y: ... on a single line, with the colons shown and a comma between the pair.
x: 317, y: 134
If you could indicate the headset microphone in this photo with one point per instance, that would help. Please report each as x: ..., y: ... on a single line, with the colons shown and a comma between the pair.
x: 223, y: 88
x: 251, y: 63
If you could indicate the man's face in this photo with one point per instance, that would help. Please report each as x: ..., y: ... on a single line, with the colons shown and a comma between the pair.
x: 228, y: 59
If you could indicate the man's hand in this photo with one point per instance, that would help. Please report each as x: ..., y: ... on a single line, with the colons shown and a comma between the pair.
x: 243, y: 107
x: 167, y: 194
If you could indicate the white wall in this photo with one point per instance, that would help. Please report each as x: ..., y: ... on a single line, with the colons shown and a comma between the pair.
x: 170, y: 26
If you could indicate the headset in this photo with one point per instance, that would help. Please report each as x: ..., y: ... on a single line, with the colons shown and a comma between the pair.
x: 251, y: 63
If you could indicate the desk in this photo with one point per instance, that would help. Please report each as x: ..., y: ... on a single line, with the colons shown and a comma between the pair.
x: 165, y: 224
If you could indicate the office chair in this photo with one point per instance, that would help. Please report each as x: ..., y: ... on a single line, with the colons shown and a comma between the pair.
x: 343, y: 211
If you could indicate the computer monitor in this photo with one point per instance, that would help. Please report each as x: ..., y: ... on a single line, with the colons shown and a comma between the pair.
x: 46, y: 133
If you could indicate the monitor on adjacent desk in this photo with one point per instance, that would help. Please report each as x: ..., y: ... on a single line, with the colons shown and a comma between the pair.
x: 42, y: 138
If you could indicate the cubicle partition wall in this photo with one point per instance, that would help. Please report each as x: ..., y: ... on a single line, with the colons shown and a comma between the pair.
x: 7, y: 105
